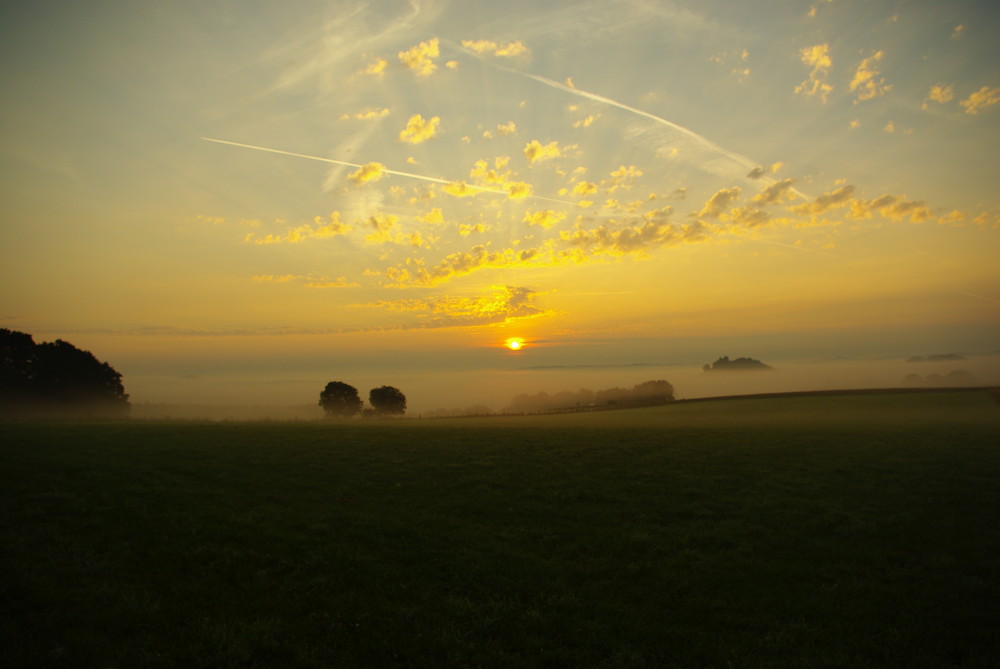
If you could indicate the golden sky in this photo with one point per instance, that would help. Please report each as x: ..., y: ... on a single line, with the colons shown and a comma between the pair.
x: 367, y: 185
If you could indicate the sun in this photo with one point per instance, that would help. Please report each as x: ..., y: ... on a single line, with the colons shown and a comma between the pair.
x: 515, y: 344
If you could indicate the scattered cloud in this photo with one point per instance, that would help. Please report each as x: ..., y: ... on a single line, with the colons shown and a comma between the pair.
x: 420, y: 58
x: 890, y: 127
x: 822, y: 203
x: 418, y: 130
x: 320, y: 229
x: 939, y: 93
x: 774, y: 193
x: 376, y: 67
x: 818, y: 58
x: 367, y: 173
x: 509, y: 128
x: 718, y: 203
x: 866, y: 84
x: 545, y: 218
x: 501, y: 49
x: 958, y: 31
x: 503, y: 304
x: 981, y: 100
x: 892, y: 207
x: 367, y: 114
x: 535, y: 151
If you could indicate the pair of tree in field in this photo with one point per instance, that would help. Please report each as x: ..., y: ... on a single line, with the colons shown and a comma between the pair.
x: 341, y: 399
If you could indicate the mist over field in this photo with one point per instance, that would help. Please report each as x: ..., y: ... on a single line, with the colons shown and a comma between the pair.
x: 293, y: 394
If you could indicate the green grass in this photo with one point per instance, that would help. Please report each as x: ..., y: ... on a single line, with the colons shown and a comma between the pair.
x: 792, y: 532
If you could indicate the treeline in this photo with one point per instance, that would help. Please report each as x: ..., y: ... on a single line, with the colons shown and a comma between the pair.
x: 56, y: 380
x: 644, y: 394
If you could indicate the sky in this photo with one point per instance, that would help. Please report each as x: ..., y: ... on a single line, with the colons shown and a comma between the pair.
x: 237, y: 201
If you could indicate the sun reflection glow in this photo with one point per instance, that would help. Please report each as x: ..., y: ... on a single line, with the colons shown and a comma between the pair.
x: 515, y: 344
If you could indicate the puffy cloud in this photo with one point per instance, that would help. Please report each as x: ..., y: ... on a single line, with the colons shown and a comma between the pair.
x: 954, y: 217
x: 644, y: 235
x: 367, y: 114
x: 890, y: 127
x: 502, y: 305
x: 546, y: 218
x: 535, y: 151
x: 756, y: 173
x: 958, y: 31
x: 774, y: 193
x: 321, y: 229
x: 584, y: 188
x: 367, y: 173
x: 376, y: 67
x: 866, y: 84
x: 383, y: 225
x: 623, y: 178
x: 718, y: 203
x: 892, y: 207
x: 420, y: 58
x: 939, y: 93
x: 838, y: 198
x: 586, y: 122
x: 749, y: 216
x: 271, y: 278
x: 981, y: 100
x: 418, y: 130
x: 434, y: 216
x: 509, y: 128
x: 818, y: 58
x: 854, y: 124
x: 414, y: 272
x: 518, y: 190
x: 461, y: 189
x: 502, y: 49
x: 466, y: 229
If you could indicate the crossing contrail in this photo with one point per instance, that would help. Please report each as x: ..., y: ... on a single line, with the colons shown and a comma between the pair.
x: 408, y: 175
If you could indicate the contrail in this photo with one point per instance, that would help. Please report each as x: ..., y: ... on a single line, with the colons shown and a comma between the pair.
x: 408, y: 175
x: 704, y: 142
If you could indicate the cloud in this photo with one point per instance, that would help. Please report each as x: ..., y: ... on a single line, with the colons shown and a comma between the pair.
x: 503, y: 304
x: 339, y: 282
x: 502, y: 49
x: 718, y: 203
x: 584, y: 188
x: 958, y: 31
x: 939, y: 93
x: 892, y: 207
x: 376, y: 67
x: 367, y: 114
x: 414, y: 272
x: 546, y: 218
x: 774, y: 193
x: 418, y: 130
x: 321, y: 229
x: 981, y: 100
x: 271, y: 278
x: 586, y: 121
x: 434, y: 217
x: 535, y: 151
x: 383, y: 225
x: 368, y: 173
x: 756, y: 173
x: 420, y: 58
x: 642, y: 236
x: 509, y: 128
x: 624, y: 177
x: 866, y: 84
x: 826, y: 201
x: 890, y: 127
x: 818, y: 58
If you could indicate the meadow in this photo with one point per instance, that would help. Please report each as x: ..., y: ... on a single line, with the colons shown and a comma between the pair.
x: 825, y: 531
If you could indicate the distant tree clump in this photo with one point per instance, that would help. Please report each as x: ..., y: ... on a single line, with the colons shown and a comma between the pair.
x: 644, y: 394
x: 340, y: 399
x: 56, y: 379
x: 387, y: 400
x: 724, y: 364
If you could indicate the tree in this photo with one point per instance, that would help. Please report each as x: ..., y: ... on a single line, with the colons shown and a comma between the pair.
x: 57, y: 379
x: 340, y: 399
x: 387, y: 400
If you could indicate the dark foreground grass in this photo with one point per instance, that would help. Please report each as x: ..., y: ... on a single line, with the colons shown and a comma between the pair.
x: 797, y: 532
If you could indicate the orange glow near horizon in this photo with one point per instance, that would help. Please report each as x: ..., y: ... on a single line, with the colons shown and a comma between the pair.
x: 514, y: 344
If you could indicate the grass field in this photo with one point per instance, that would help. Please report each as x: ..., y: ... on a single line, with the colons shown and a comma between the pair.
x: 838, y: 531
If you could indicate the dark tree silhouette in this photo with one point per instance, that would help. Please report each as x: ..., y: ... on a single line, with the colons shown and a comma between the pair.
x: 340, y: 399
x: 57, y: 379
x: 387, y: 400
